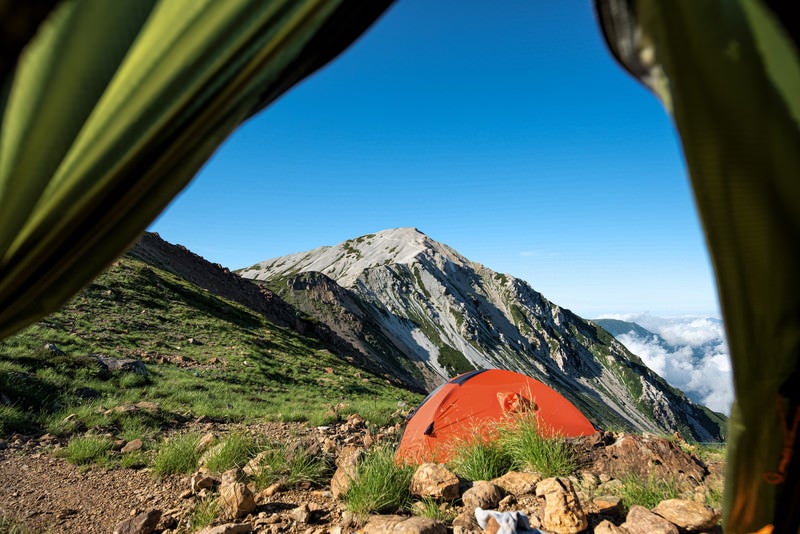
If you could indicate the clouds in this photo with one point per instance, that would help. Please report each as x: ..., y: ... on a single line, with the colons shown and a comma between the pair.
x: 690, y: 353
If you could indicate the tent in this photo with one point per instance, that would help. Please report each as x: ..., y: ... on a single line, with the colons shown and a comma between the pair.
x: 473, y: 404
x: 109, y: 108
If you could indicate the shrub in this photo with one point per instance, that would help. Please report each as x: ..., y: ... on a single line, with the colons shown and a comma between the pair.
x: 380, y: 484
x: 290, y: 469
x: 177, y: 455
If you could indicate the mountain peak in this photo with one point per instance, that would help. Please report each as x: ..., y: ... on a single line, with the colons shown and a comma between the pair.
x: 347, y: 260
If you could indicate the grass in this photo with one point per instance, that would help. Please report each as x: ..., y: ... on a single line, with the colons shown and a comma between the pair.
x: 85, y: 450
x: 430, y: 508
x: 529, y: 450
x: 205, y: 356
x: 234, y: 451
x: 203, y: 513
x: 479, y: 459
x: 9, y: 525
x: 177, y: 455
x: 647, y: 492
x: 291, y: 468
x: 380, y: 485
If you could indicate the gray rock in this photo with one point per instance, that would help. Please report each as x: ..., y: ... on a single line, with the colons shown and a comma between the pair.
x: 125, y: 365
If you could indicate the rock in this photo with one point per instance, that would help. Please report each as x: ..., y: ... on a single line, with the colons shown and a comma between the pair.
x: 640, y: 520
x: 347, y: 465
x: 134, y: 445
x: 228, y: 528
x: 125, y: 365
x: 232, y: 476
x: 202, y: 481
x: 236, y: 500
x: 255, y: 466
x: 435, y: 481
x: 54, y: 349
x: 205, y: 442
x: 482, y: 495
x: 301, y: 514
x: 517, y: 482
x: 465, y: 523
x: 688, y: 515
x: 398, y: 524
x: 607, y: 504
x: 607, y: 527
x: 143, y: 523
x: 563, y: 513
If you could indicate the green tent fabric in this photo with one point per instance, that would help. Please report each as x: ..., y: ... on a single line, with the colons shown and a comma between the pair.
x: 110, y: 108
x: 729, y: 73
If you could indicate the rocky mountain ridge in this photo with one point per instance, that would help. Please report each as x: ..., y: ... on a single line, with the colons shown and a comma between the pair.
x: 430, y: 313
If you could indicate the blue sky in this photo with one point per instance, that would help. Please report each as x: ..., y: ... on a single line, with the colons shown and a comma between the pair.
x: 508, y: 133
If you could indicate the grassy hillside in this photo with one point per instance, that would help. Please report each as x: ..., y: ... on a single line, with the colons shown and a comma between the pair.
x: 204, y: 356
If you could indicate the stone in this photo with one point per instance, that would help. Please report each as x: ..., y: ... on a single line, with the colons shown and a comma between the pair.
x: 143, y: 523
x: 517, y: 482
x: 688, y: 515
x: 465, y: 522
x: 131, y: 446
x: 640, y: 520
x: 607, y: 527
x: 228, y: 528
x: 398, y: 524
x: 563, y: 513
x: 482, y: 495
x: 232, y: 476
x: 125, y: 365
x: 607, y: 504
x: 347, y: 466
x: 205, y: 442
x: 236, y: 500
x: 202, y: 481
x: 255, y: 466
x: 301, y: 514
x: 435, y: 481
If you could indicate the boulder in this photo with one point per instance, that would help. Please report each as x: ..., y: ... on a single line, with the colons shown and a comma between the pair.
x: 563, y: 513
x: 482, y: 495
x: 125, y: 365
x: 688, y: 515
x: 131, y: 446
x: 607, y: 527
x: 640, y: 520
x: 435, y: 481
x: 347, y: 466
x: 517, y: 482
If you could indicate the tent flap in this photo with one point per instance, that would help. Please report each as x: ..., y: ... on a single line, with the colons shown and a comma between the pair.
x: 732, y: 87
x: 114, y: 106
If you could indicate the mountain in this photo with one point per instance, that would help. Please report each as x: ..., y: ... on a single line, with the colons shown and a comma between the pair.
x: 427, y: 313
x: 618, y: 327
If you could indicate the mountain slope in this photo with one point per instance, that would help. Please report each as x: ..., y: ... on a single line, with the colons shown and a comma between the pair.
x: 446, y: 314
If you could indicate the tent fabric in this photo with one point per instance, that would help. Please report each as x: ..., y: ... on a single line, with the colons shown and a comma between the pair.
x: 733, y: 87
x: 474, y: 404
x: 109, y: 109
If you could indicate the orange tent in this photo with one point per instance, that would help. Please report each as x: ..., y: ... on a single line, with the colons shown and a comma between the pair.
x: 474, y: 403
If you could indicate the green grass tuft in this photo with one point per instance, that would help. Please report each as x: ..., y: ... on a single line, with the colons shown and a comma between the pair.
x: 85, y: 450
x: 479, y: 459
x: 380, y: 484
x: 647, y: 492
x: 177, y: 455
x: 530, y: 451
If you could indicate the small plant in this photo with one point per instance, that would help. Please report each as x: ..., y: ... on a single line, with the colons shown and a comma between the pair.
x: 84, y: 450
x: 479, y: 459
x: 12, y: 526
x: 177, y: 455
x: 292, y: 469
x: 529, y: 450
x: 133, y: 460
x: 380, y: 484
x: 203, y: 513
x: 432, y: 509
x: 647, y: 492
x: 234, y: 451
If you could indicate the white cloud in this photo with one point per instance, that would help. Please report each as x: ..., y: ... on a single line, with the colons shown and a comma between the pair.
x: 696, y: 360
